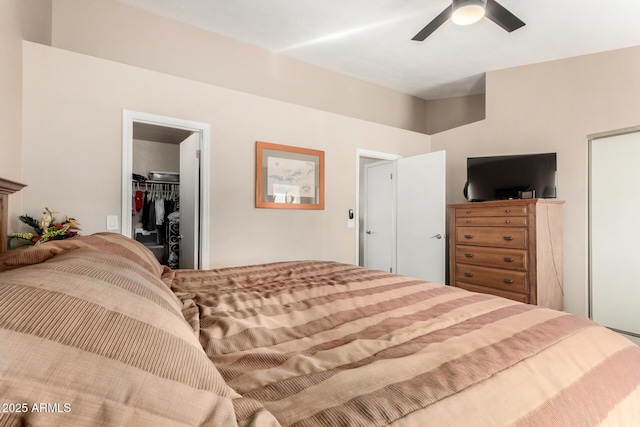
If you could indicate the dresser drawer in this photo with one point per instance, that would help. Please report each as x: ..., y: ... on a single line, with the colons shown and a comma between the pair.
x: 509, y: 280
x: 512, y: 259
x: 502, y: 237
x: 498, y: 292
x: 472, y: 211
x: 492, y: 221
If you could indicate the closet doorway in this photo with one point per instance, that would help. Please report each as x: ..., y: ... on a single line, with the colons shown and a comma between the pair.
x: 165, y: 187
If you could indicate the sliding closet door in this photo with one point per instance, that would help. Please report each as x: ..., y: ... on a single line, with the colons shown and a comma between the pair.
x: 615, y: 231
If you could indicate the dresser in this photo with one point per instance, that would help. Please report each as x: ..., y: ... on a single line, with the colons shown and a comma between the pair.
x: 510, y: 248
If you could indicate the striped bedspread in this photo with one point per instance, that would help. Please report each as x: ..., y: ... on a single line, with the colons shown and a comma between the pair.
x: 327, y: 344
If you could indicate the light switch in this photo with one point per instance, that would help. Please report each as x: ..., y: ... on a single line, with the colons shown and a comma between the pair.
x: 112, y: 222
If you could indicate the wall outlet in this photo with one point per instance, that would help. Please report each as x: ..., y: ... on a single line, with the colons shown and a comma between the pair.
x: 112, y: 223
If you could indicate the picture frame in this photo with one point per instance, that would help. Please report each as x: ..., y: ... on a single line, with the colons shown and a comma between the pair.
x: 289, y: 177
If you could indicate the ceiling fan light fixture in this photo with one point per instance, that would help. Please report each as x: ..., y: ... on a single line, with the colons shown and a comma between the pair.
x: 467, y: 12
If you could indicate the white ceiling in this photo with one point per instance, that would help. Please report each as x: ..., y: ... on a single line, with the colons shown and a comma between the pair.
x: 371, y: 39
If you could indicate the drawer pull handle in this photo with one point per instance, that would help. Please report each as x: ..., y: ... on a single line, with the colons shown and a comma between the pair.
x: 508, y: 281
x: 468, y: 221
x: 468, y: 212
x: 507, y: 210
x: 508, y: 238
x: 508, y: 259
x: 468, y: 274
x: 507, y: 221
x: 468, y: 255
x: 468, y: 236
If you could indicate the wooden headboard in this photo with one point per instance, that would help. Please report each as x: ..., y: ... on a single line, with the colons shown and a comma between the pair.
x: 6, y: 187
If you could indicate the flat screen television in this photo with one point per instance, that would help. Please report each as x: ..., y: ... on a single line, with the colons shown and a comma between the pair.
x: 511, y: 177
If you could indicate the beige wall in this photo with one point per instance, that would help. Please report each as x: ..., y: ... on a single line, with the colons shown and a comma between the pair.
x: 155, y: 156
x: 552, y: 107
x: 28, y: 20
x: 112, y: 30
x: 448, y: 113
x: 73, y: 112
x: 10, y: 83
x: 115, y: 31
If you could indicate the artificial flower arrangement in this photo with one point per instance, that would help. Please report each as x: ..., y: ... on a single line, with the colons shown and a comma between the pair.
x: 46, y: 229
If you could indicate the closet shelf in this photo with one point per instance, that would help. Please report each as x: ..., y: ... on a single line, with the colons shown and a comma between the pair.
x: 154, y: 182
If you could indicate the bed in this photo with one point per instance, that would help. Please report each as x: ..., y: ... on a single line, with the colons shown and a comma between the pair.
x: 93, y: 331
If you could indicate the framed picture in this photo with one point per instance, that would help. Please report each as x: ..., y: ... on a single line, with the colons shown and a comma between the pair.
x: 289, y: 177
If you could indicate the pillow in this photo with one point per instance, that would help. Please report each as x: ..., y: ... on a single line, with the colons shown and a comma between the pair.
x: 107, y: 242
x: 91, y: 338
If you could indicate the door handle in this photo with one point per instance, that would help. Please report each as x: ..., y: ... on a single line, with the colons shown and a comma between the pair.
x: 437, y: 236
x: 369, y: 232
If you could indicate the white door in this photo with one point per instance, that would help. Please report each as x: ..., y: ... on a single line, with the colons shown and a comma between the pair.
x: 378, y: 218
x: 613, y: 240
x: 421, y: 216
x: 190, y: 202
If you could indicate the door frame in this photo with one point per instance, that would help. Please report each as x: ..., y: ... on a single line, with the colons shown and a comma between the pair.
x: 129, y: 117
x: 363, y: 153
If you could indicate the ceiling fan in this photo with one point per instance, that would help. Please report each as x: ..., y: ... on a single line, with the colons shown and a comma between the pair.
x: 465, y: 12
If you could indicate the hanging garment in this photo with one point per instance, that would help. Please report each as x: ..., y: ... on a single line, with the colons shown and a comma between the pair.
x: 148, y: 216
x: 138, y: 201
x: 159, y: 209
x: 168, y: 208
x: 151, y: 216
x: 145, y: 210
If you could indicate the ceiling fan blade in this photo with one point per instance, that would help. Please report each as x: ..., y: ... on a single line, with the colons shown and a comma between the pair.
x: 501, y: 16
x: 433, y: 25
